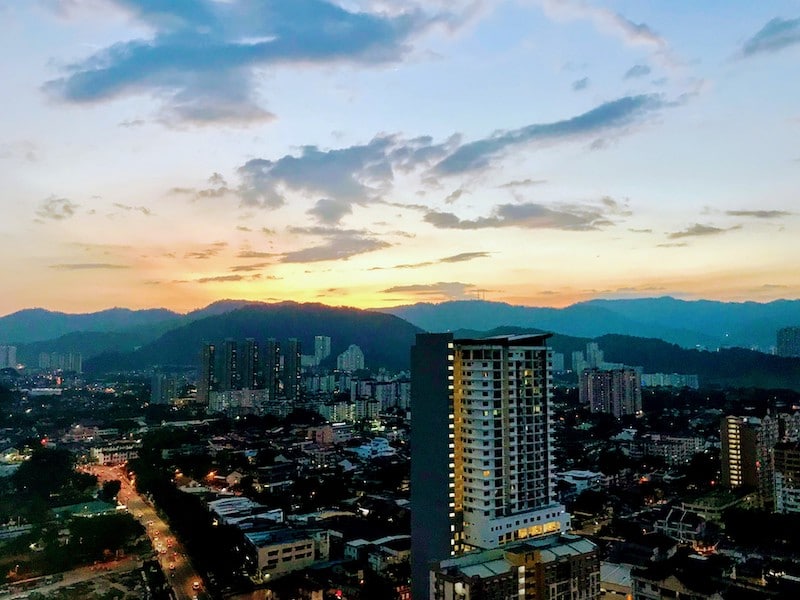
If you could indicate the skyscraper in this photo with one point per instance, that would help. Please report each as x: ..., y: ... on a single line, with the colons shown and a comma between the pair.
x: 206, y: 381
x: 747, y: 445
x: 351, y: 359
x: 322, y: 348
x: 614, y: 391
x: 481, y: 444
x: 292, y: 370
x: 272, y: 368
x: 250, y: 365
x: 229, y: 378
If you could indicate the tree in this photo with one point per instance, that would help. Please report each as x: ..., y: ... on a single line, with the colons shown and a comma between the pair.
x: 110, y: 489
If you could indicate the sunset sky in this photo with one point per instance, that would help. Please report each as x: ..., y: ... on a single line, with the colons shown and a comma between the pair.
x: 381, y: 152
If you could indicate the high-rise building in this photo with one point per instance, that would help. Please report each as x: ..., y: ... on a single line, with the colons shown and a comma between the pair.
x: 481, y: 447
x: 747, y: 446
x: 787, y: 477
x: 351, y: 359
x: 615, y: 391
x: 322, y: 348
x: 250, y: 366
x: 229, y: 378
x: 8, y: 357
x: 292, y: 370
x: 272, y: 368
x: 789, y: 341
x: 206, y: 380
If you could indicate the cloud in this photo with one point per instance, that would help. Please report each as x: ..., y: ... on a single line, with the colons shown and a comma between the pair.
x: 522, y: 183
x: 529, y: 215
x: 640, y: 230
x: 605, y: 20
x: 329, y: 211
x: 637, y: 71
x: 142, y: 209
x: 776, y: 35
x: 455, y: 258
x: 580, y: 84
x: 454, y: 290
x: 758, y: 214
x: 698, y: 230
x: 251, y: 267
x: 672, y: 245
x: 212, y: 250
x: 615, y: 114
x: 255, y: 254
x: 86, y: 266
x: 204, y: 58
x: 56, y: 209
x: 454, y: 195
x: 339, y: 247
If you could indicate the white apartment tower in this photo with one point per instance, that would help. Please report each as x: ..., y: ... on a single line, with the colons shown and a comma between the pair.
x: 481, y: 465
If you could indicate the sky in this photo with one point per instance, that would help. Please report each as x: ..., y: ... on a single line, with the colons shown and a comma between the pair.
x: 372, y: 153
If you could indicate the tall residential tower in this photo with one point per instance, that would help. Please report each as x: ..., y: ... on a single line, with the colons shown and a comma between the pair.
x: 481, y: 447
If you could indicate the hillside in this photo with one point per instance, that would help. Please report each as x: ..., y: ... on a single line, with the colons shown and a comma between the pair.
x: 384, y: 339
x: 690, y: 324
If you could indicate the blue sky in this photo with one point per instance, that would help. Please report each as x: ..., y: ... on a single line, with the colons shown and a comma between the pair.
x: 378, y: 152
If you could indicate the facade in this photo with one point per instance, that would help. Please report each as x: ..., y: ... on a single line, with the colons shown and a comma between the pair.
x: 292, y: 370
x: 8, y: 357
x: 615, y: 391
x: 206, y: 381
x: 481, y: 464
x: 677, y: 380
x: 675, y: 450
x: 351, y: 359
x: 559, y: 567
x: 789, y: 341
x: 322, y: 348
x: 116, y: 454
x: 787, y: 477
x: 747, y: 445
x: 273, y: 553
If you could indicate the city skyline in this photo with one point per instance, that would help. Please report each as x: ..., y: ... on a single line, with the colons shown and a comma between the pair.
x: 372, y: 153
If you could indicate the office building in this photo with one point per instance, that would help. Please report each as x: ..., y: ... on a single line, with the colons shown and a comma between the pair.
x: 789, y: 341
x: 614, y: 391
x: 481, y: 463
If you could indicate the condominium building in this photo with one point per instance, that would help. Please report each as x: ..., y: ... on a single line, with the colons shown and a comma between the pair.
x: 615, y: 391
x: 787, y: 477
x: 747, y: 445
x: 559, y: 567
x: 788, y: 340
x: 481, y: 464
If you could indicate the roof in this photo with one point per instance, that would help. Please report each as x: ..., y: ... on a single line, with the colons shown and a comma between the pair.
x: 618, y: 574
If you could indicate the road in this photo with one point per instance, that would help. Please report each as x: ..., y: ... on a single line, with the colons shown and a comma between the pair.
x: 176, y: 564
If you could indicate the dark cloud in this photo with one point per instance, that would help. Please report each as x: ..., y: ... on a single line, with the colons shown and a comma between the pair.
x: 87, y: 266
x: 243, y: 228
x: 672, y: 245
x: 203, y: 56
x: 339, y: 247
x: 637, y: 71
x: 329, y: 211
x: 455, y: 258
x: 453, y: 196
x: 454, y: 290
x: 640, y: 230
x: 615, y: 114
x: 698, y: 230
x: 759, y: 214
x: 251, y: 267
x: 356, y: 174
x: 580, y: 84
x: 56, y: 209
x: 254, y: 254
x: 776, y: 35
x: 529, y: 215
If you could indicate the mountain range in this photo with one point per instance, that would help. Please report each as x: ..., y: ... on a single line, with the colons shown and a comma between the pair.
x: 691, y: 324
x: 121, y: 339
